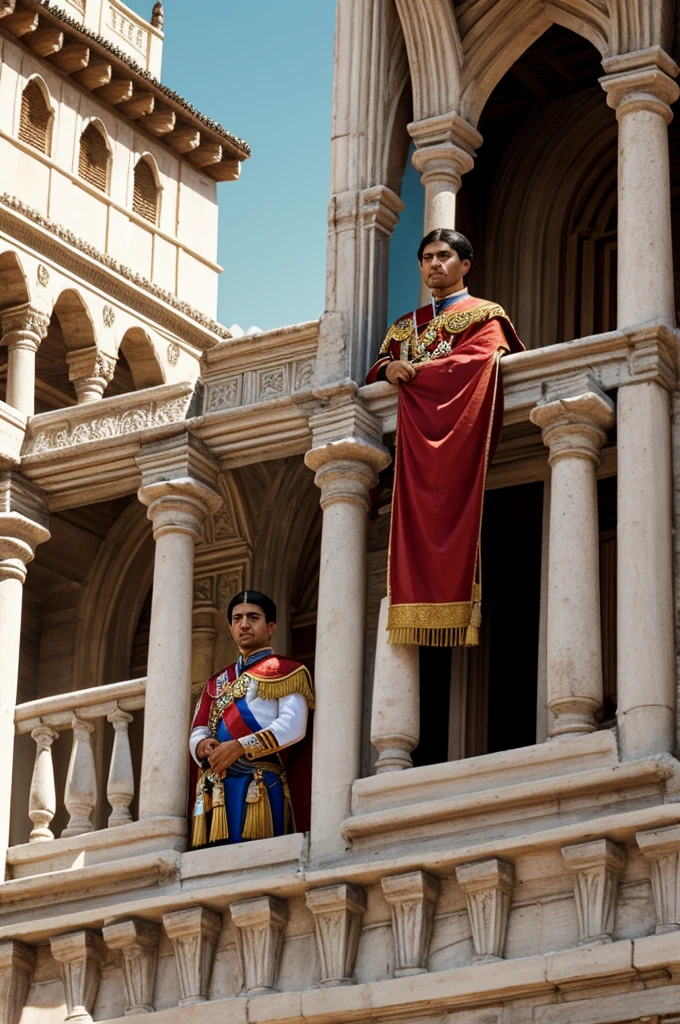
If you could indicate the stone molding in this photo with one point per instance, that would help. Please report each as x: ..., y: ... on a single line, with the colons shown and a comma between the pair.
x: 17, y: 963
x: 488, y: 889
x: 661, y: 847
x: 24, y: 326
x: 595, y: 869
x: 258, y: 930
x: 19, y: 538
x: 412, y: 898
x: 80, y: 955
x: 338, y: 911
x: 575, y: 427
x: 380, y: 209
x: 194, y: 934
x: 445, y: 147
x: 641, y: 80
x: 138, y: 944
x: 179, y: 484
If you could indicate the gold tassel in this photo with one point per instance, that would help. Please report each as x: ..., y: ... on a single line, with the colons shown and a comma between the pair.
x: 198, y: 830
x: 460, y: 636
x: 218, y: 826
x: 258, y: 823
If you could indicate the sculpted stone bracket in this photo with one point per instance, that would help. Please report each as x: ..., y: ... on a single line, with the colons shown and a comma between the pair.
x: 17, y: 962
x: 258, y: 930
x: 80, y: 955
x: 194, y: 934
x: 137, y: 942
x: 595, y: 869
x: 412, y: 899
x: 338, y: 911
x: 661, y: 848
x: 488, y: 890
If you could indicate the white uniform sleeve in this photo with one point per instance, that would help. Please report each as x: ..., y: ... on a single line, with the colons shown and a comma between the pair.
x: 201, y: 732
x: 288, y: 727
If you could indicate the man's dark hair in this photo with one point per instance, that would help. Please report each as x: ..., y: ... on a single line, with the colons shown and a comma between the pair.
x: 253, y: 597
x: 459, y: 243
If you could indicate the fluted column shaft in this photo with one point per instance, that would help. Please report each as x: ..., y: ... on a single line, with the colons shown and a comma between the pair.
x: 640, y: 88
x: 177, y: 509
x: 19, y: 537
x: 345, y: 472
x: 23, y: 328
x: 574, y: 431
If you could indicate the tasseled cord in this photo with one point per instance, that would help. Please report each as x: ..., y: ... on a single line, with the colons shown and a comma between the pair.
x: 258, y: 823
x: 198, y: 831
x: 465, y: 636
x: 206, y: 802
x: 218, y: 826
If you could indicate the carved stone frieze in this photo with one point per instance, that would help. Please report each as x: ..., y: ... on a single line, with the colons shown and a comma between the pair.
x: 194, y: 934
x: 110, y: 424
x: 337, y: 910
x: 412, y: 899
x: 138, y: 944
x: 17, y: 961
x: 260, y: 385
x: 80, y: 955
x: 595, y: 869
x: 258, y: 929
x: 488, y: 888
x: 661, y: 847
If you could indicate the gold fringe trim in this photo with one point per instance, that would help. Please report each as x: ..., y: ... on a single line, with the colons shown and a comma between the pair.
x: 218, y: 826
x: 258, y: 823
x: 298, y: 681
x: 460, y: 636
x: 198, y: 830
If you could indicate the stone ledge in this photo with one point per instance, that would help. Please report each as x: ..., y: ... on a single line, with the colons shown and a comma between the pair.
x: 486, y: 809
x: 283, y: 854
x: 12, y: 430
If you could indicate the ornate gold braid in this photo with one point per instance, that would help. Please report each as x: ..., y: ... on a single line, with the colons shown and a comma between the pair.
x: 451, y: 323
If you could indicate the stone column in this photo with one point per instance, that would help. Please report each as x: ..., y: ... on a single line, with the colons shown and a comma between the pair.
x: 346, y: 469
x: 19, y: 537
x: 640, y: 88
x: 395, y: 714
x: 380, y: 209
x: 23, y: 328
x: 90, y: 371
x: 574, y: 429
x: 178, y: 479
x: 445, y: 150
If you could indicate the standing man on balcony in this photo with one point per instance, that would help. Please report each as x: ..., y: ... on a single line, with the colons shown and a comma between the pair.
x: 444, y: 358
x: 247, y: 714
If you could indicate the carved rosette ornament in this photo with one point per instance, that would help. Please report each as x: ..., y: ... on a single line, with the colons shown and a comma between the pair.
x: 412, y: 899
x: 595, y: 869
x: 258, y: 929
x: 488, y: 888
x: 337, y: 910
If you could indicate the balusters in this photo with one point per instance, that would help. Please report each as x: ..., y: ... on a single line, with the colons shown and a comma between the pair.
x: 121, y: 784
x: 42, y: 800
x: 81, y: 782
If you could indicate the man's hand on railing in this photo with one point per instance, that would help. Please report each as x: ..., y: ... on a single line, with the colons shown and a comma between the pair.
x: 224, y: 755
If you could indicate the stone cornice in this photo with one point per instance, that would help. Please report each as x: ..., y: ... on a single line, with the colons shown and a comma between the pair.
x: 55, y: 242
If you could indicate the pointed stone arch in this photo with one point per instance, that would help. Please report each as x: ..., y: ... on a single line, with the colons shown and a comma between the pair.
x: 14, y: 289
x: 36, y: 115
x: 75, y: 319
x: 435, y: 55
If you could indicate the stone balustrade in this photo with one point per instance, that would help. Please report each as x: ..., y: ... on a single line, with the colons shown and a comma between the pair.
x: 81, y: 713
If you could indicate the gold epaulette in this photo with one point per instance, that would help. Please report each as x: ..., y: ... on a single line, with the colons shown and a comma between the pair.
x: 456, y: 323
x: 400, y: 331
x: 299, y: 681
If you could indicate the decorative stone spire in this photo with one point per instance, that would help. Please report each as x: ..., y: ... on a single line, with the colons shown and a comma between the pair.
x: 158, y: 15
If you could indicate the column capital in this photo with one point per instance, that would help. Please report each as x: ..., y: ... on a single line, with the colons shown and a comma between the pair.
x: 23, y: 326
x: 347, y: 452
x: 23, y: 525
x: 179, y: 484
x: 641, y: 80
x: 575, y: 427
x: 380, y: 208
x: 445, y: 147
x: 90, y: 371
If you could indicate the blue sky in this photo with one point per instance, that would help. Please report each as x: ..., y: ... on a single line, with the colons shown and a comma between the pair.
x: 265, y: 71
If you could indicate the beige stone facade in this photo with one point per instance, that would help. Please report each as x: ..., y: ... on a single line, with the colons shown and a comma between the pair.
x: 526, y: 869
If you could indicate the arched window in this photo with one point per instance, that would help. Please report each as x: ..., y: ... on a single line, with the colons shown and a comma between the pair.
x: 35, y: 123
x: 146, y: 192
x: 93, y: 161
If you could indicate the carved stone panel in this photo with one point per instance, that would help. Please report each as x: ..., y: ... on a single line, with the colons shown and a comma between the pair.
x: 258, y: 928
x: 595, y: 868
x: 138, y: 945
x: 337, y: 910
x: 80, y: 955
x: 412, y: 898
x: 194, y: 934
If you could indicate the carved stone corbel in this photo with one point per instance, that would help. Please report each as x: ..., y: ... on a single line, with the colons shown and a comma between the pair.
x: 412, y: 898
x: 337, y: 910
x: 488, y: 888
x: 595, y: 868
x: 17, y: 962
x: 194, y: 934
x: 80, y: 955
x: 661, y: 847
x: 258, y: 930
x: 138, y: 944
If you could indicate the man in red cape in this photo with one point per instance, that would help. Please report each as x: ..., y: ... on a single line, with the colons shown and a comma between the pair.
x: 444, y: 358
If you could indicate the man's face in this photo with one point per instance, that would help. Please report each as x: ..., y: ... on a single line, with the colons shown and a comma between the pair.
x: 441, y: 268
x: 249, y: 627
